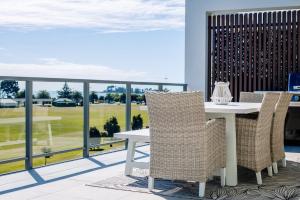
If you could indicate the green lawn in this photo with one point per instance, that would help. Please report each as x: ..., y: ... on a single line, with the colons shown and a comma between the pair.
x: 66, y: 132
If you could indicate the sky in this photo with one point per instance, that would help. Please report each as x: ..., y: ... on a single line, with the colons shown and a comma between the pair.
x: 136, y: 40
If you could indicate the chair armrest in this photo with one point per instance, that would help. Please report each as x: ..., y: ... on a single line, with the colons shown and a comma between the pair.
x: 216, y: 144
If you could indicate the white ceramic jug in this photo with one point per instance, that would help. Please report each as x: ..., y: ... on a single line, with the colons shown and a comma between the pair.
x: 221, y: 94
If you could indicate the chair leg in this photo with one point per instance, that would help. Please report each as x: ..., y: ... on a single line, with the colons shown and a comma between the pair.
x: 270, y: 172
x: 275, y: 167
x: 284, y: 162
x: 201, y: 189
x: 223, y: 176
x: 258, y: 177
x: 150, y: 183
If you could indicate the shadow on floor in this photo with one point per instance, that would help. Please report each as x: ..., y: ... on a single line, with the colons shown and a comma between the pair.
x: 40, y: 181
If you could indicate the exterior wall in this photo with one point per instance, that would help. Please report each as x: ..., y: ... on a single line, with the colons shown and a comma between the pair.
x: 196, y: 32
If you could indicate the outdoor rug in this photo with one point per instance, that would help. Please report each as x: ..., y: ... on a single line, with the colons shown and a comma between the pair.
x: 284, y: 185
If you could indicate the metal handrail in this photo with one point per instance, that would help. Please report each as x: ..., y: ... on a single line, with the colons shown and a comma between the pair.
x: 45, y: 79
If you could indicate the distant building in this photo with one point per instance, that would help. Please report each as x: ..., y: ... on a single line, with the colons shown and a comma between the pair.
x: 8, y: 103
x: 21, y: 101
x: 64, y: 102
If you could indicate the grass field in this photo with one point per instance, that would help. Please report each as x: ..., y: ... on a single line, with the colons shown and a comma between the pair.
x: 66, y: 133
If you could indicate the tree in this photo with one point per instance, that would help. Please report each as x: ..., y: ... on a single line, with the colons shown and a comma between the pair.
x: 116, y: 97
x: 109, y: 98
x: 21, y: 94
x: 10, y: 88
x: 123, y: 98
x: 93, y: 97
x: 66, y: 92
x: 137, y: 122
x: 144, y: 99
x: 112, y: 126
x: 77, y: 96
x: 134, y: 97
x: 139, y: 98
x: 101, y: 98
x: 43, y: 94
x: 137, y: 91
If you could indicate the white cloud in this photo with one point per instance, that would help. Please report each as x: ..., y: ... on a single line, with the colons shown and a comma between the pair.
x: 104, y: 15
x: 53, y: 68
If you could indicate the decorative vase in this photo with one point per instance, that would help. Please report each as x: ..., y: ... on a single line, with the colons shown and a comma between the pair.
x: 221, y: 94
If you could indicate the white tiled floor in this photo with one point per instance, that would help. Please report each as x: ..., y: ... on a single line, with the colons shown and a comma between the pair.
x: 68, y: 180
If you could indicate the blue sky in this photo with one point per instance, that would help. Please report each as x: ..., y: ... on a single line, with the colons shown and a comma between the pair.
x: 106, y: 39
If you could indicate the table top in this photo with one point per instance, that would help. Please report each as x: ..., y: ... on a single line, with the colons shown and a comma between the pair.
x: 142, y: 134
x: 233, y: 107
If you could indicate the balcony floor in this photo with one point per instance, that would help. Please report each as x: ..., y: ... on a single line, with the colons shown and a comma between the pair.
x: 68, y: 180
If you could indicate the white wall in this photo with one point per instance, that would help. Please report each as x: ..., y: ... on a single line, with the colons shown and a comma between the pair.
x: 196, y: 32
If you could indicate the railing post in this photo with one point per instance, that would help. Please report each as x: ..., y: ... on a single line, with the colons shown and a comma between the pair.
x: 28, y: 125
x: 185, y: 87
x: 128, y: 110
x: 86, y: 118
x: 160, y: 87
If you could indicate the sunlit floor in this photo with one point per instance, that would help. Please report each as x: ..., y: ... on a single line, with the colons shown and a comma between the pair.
x: 68, y: 180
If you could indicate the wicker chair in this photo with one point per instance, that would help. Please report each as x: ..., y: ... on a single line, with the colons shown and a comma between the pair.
x: 253, y: 138
x: 183, y: 146
x: 277, y: 132
x: 251, y: 97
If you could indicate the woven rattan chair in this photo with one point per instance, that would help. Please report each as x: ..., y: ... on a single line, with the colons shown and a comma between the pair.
x: 251, y: 97
x: 183, y: 146
x: 253, y: 138
x: 277, y: 133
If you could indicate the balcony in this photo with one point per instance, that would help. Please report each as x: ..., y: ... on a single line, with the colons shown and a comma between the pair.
x: 62, y: 143
x: 72, y: 168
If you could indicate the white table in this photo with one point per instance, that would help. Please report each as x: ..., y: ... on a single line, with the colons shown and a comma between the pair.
x: 212, y: 111
x: 229, y: 112
x: 133, y: 137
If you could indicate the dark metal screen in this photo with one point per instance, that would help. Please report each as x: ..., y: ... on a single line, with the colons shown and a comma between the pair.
x: 253, y: 51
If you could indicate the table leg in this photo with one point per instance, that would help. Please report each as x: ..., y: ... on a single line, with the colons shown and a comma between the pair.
x: 130, y: 157
x: 231, y: 157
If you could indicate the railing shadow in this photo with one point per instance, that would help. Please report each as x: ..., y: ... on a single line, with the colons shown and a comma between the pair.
x: 40, y: 181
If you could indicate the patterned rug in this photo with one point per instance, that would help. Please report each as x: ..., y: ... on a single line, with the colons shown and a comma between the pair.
x: 284, y: 185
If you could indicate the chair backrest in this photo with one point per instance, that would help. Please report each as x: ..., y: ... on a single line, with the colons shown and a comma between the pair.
x: 277, y: 133
x: 251, y: 97
x: 177, y: 135
x: 265, y: 116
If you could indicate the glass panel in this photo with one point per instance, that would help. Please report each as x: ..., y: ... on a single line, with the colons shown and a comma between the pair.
x: 57, y: 119
x: 138, y: 105
x: 107, y: 116
x: 170, y: 88
x: 12, y: 123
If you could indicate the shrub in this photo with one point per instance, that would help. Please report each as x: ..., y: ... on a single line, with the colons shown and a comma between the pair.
x: 137, y: 122
x: 94, y: 132
x: 112, y: 126
x: 103, y: 134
